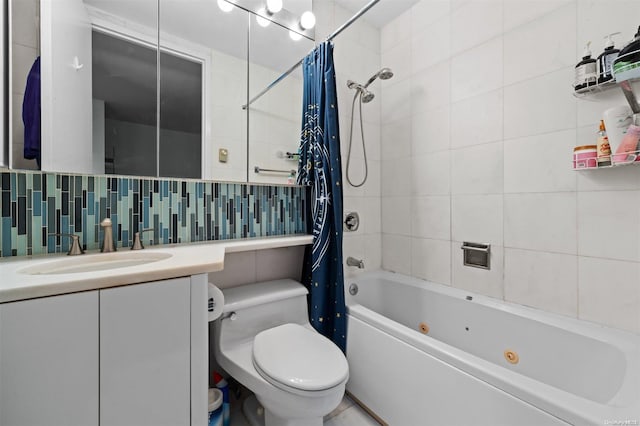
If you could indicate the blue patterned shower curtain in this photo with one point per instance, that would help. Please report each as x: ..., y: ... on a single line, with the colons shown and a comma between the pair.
x: 320, y: 168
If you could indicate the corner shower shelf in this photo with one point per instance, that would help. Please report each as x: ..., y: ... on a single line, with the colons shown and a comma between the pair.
x: 583, y: 167
x: 627, y: 78
x: 594, y: 89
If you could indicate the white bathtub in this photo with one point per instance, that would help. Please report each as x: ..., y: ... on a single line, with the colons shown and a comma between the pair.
x: 569, y: 371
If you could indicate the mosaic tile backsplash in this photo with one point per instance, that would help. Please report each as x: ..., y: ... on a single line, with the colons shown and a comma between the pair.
x: 36, y: 206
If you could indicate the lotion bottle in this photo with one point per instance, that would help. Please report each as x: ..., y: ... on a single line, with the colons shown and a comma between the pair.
x: 585, y: 70
x: 606, y: 58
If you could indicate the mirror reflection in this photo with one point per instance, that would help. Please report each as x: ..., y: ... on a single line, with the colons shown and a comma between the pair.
x: 275, y: 117
x: 99, y: 83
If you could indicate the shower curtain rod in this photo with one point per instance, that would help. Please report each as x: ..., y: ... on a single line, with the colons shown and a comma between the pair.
x: 331, y: 37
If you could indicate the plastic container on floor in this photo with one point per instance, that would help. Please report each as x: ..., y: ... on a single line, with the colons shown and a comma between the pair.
x: 215, y: 407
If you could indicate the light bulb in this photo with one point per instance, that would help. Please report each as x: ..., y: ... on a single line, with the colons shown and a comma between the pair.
x: 294, y: 35
x: 225, y: 6
x: 308, y: 20
x: 263, y: 22
x: 274, y: 6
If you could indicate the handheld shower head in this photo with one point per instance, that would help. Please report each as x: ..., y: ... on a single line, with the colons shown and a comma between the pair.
x: 383, y: 74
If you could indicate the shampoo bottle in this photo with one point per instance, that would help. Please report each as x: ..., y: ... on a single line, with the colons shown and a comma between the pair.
x: 606, y: 58
x: 604, y: 149
x: 585, y: 70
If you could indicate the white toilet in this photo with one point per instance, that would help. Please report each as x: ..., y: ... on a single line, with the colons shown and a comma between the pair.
x: 264, y: 340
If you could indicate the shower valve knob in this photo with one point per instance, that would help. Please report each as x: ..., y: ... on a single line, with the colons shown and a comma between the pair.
x: 352, y: 221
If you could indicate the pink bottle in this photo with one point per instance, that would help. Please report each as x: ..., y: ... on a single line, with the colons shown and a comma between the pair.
x: 627, y: 151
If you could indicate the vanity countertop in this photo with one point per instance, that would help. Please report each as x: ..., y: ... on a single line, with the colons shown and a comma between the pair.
x: 182, y: 260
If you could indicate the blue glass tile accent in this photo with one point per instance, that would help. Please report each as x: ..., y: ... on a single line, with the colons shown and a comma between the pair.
x: 35, y: 205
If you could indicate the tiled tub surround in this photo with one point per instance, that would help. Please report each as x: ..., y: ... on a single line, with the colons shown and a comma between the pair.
x: 35, y: 205
x: 482, y: 95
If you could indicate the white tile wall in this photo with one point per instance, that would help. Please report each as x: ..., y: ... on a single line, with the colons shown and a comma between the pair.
x: 477, y: 71
x: 609, y: 224
x: 477, y: 120
x: 542, y: 280
x: 430, y: 217
x: 429, y: 89
x: 477, y: 218
x: 475, y: 23
x: 540, y: 105
x: 492, y: 122
x: 396, y: 253
x: 430, y: 132
x: 534, y: 48
x: 540, y: 163
x: 395, y: 139
x: 435, y: 39
x: 609, y: 292
x: 518, y: 12
x: 396, y: 215
x: 260, y: 265
x: 431, y: 260
x: 545, y: 222
x: 357, y: 57
x: 429, y: 173
x: 477, y: 169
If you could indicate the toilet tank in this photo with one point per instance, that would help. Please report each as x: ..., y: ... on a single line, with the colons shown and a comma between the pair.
x: 261, y: 306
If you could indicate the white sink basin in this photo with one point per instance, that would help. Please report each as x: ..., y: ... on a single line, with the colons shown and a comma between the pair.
x: 94, y: 262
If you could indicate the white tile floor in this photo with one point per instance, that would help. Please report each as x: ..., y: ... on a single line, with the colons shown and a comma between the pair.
x: 346, y: 414
x: 349, y: 413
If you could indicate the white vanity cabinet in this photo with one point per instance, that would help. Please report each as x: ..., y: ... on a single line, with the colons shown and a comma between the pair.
x: 145, y: 354
x: 130, y: 355
x: 49, y: 361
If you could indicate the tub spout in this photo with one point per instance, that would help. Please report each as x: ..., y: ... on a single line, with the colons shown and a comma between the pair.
x: 352, y: 261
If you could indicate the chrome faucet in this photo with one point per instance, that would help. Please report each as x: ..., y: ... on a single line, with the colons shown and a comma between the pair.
x: 352, y: 261
x: 75, y: 248
x: 137, y: 242
x: 107, y: 243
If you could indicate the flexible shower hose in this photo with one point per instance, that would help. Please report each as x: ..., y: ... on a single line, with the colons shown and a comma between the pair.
x: 358, y: 96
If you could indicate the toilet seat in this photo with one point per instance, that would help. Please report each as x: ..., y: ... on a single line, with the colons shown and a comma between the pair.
x: 298, y: 360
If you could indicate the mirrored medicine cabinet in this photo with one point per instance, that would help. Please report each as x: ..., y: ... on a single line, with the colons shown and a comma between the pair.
x: 156, y: 88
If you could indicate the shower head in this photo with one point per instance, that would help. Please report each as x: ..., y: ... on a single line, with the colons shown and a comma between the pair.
x: 383, y: 74
x: 367, y: 96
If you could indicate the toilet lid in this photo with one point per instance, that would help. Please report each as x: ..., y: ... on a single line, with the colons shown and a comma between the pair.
x: 299, y: 358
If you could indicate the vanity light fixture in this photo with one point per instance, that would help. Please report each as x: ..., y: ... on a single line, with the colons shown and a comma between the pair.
x: 307, y: 20
x: 274, y: 6
x: 263, y: 22
x: 294, y: 35
x: 225, y: 6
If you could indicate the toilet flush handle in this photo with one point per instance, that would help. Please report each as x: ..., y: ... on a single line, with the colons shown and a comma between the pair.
x: 232, y: 316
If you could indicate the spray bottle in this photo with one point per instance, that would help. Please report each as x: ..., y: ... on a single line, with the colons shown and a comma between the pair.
x: 222, y: 384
